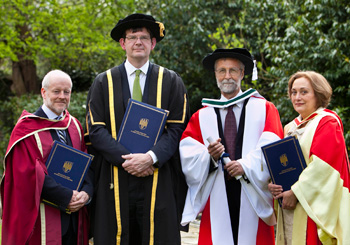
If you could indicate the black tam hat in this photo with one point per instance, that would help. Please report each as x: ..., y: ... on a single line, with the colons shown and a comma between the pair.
x: 240, y: 54
x: 138, y: 20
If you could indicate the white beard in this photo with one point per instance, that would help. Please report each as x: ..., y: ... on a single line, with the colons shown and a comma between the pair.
x: 228, y: 86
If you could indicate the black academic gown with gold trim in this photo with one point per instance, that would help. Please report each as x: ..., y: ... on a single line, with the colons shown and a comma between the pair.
x: 107, y: 225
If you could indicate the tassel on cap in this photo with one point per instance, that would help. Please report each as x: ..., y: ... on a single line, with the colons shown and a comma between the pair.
x: 161, y: 28
x: 255, y: 72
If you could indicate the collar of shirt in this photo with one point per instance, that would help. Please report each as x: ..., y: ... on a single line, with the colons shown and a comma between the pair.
x: 50, y: 114
x: 239, y: 104
x: 130, y: 72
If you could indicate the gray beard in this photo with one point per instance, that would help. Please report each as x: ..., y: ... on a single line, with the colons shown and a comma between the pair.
x: 228, y: 86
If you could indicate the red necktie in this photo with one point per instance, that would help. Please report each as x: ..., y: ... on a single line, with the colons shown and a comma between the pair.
x: 230, y: 132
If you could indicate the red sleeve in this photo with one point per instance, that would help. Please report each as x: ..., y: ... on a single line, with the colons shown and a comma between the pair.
x: 329, y: 145
x: 193, y: 129
x: 273, y: 121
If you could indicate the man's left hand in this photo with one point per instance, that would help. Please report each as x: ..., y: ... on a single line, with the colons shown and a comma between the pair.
x: 234, y: 168
x: 78, y: 200
x: 138, y: 164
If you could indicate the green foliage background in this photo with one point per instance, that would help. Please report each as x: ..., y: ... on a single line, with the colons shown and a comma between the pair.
x: 284, y: 36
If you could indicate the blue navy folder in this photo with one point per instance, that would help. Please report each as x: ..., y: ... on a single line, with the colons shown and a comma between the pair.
x: 142, y: 126
x: 285, y: 161
x: 67, y: 165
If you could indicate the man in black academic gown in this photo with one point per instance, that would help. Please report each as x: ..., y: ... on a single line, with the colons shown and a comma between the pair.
x: 137, y: 196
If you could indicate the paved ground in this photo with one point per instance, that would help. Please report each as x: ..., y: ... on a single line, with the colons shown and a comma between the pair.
x: 187, y: 238
x: 191, y: 237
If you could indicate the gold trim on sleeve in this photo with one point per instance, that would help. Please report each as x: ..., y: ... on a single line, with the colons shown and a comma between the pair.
x: 92, y: 118
x: 183, y: 115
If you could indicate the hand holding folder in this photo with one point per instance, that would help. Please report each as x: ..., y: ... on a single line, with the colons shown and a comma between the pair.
x: 285, y: 161
x: 67, y: 166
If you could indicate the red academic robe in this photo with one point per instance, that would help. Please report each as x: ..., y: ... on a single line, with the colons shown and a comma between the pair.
x: 207, y: 191
x: 328, y: 144
x: 25, y: 219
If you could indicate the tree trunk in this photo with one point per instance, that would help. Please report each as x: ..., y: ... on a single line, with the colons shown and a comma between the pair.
x: 24, y: 76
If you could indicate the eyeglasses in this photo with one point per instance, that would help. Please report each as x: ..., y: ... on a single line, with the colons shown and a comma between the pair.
x: 134, y: 38
x: 233, y: 72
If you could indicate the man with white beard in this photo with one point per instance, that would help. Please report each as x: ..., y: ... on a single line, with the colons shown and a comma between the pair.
x: 232, y: 194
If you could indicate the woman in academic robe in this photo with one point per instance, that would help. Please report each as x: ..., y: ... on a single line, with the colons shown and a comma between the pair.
x: 317, y: 208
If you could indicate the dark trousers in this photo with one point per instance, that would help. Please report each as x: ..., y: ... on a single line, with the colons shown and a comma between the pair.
x: 136, y: 207
x: 70, y: 237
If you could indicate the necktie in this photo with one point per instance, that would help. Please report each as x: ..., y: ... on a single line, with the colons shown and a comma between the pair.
x: 136, y: 90
x: 230, y: 132
x: 61, y: 133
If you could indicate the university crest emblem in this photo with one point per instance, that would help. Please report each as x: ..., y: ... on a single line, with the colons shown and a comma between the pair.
x: 143, y: 123
x: 284, y: 160
x: 67, y: 166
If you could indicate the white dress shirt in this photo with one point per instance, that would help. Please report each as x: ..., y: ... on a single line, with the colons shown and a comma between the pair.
x: 130, y: 72
x: 50, y: 114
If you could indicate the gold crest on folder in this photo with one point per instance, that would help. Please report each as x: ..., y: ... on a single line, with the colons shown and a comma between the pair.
x: 67, y: 166
x: 143, y: 123
x: 284, y: 160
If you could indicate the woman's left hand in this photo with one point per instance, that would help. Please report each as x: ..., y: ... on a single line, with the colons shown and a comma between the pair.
x: 289, y: 200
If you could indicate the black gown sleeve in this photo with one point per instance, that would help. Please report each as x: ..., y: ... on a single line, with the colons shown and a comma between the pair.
x: 97, y: 117
x: 56, y: 193
x: 176, y: 99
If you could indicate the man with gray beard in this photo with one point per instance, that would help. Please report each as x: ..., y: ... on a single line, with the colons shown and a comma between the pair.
x: 222, y: 160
